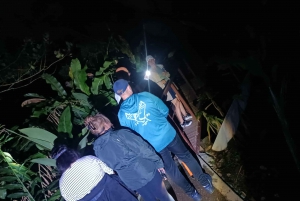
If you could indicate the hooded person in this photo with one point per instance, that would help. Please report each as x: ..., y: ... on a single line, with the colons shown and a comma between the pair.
x: 147, y: 115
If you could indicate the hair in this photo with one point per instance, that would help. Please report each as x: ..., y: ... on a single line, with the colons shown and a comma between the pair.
x: 99, y: 122
x: 122, y: 75
x: 64, y: 157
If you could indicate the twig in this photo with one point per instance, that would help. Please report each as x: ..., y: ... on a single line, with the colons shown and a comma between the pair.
x: 30, y: 77
x: 13, y: 61
x: 215, y: 104
x: 208, y: 106
x: 20, y: 86
x: 238, y: 174
x: 45, y: 68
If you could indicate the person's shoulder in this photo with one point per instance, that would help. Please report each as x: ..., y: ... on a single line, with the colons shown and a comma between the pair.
x: 87, y: 159
x: 148, y: 95
x: 144, y: 93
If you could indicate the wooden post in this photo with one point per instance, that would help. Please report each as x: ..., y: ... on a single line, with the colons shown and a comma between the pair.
x: 187, y: 82
x: 190, y: 69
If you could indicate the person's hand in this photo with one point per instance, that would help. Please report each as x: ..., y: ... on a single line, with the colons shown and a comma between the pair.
x: 161, y: 170
x: 162, y: 173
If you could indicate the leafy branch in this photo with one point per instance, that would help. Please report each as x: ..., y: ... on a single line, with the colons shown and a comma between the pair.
x: 10, y: 162
x: 21, y: 79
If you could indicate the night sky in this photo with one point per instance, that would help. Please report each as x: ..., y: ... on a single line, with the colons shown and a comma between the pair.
x: 201, y: 29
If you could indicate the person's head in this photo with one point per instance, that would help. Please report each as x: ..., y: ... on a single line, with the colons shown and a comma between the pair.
x: 97, y: 124
x: 150, y: 60
x: 64, y: 157
x: 122, y: 73
x: 122, y: 88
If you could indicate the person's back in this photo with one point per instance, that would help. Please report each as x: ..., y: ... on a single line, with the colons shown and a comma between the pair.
x: 146, y: 114
x: 76, y: 179
x: 116, y: 148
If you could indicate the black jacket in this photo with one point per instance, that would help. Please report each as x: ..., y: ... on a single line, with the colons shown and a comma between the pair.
x: 129, y: 155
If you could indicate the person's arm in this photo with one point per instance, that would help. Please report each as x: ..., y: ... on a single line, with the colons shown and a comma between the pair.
x: 103, y: 166
x: 165, y: 73
x: 122, y: 119
x: 139, y: 146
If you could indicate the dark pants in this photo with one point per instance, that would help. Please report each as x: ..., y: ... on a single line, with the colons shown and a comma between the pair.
x: 178, y: 148
x: 154, y: 190
x: 108, y: 189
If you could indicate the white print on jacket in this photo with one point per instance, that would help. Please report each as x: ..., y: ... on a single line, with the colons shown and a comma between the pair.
x: 140, y: 116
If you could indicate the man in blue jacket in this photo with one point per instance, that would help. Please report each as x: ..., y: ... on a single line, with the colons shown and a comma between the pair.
x: 147, y: 115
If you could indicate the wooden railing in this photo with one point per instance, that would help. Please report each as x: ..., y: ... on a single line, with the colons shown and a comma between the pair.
x: 169, y: 85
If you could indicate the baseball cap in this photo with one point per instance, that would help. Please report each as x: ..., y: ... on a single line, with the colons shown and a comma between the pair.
x: 149, y: 57
x: 120, y: 86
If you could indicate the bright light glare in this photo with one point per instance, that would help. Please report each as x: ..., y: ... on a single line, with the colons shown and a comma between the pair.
x: 148, y: 73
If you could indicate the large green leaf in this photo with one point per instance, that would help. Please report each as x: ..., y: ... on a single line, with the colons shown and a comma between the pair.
x: 79, y: 76
x: 8, y: 178
x: 65, y: 123
x: 106, y: 64
x: 12, y: 186
x: 96, y: 85
x: 6, y: 171
x: 55, y: 85
x: 79, y: 80
x: 79, y: 112
x: 38, y: 133
x: 83, y: 98
x: 44, y: 144
x: 45, y: 161
x: 40, y: 136
x: 21, y: 169
x: 83, y: 142
x: 107, y: 81
x: 38, y: 113
x: 83, y: 131
x: 100, y: 72
x: 33, y: 95
x: 39, y: 147
x: 75, y: 65
x: 17, y: 195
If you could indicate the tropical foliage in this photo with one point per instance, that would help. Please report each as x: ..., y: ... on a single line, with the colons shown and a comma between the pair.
x: 55, y: 117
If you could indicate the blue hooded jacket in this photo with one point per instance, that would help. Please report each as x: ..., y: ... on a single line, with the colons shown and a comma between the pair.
x: 147, y: 115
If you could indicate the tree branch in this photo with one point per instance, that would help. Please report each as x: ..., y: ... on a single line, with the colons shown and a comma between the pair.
x: 30, y: 77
